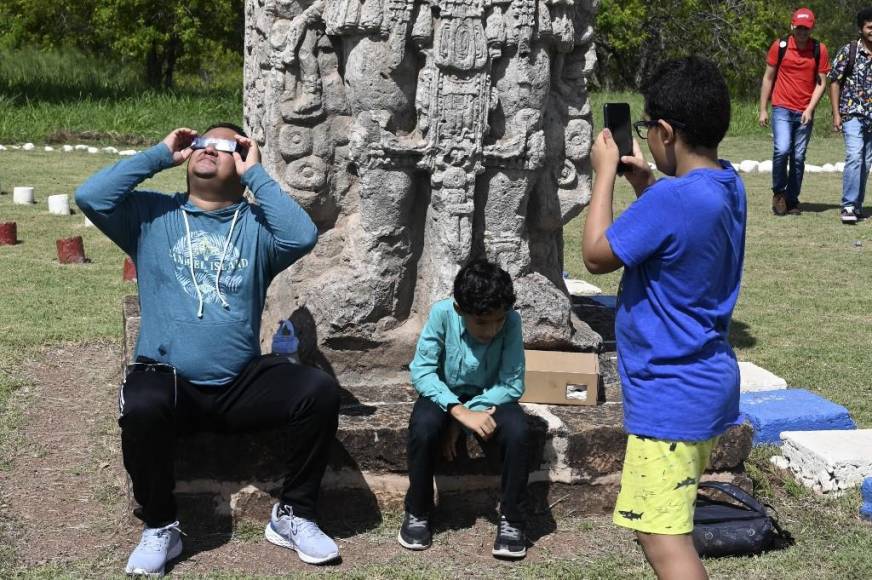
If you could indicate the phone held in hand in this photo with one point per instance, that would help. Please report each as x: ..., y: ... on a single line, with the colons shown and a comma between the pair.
x: 616, y: 117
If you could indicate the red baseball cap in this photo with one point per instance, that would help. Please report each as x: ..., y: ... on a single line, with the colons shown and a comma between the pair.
x: 803, y: 17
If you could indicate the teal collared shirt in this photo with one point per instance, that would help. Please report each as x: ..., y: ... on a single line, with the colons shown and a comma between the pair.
x: 449, y: 363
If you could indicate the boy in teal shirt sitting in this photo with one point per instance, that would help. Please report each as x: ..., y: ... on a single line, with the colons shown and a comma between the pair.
x: 469, y: 372
x: 681, y: 244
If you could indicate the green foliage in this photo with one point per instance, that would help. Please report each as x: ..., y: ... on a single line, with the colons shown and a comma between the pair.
x: 633, y: 36
x: 163, y: 37
x: 57, y: 76
x: 54, y: 96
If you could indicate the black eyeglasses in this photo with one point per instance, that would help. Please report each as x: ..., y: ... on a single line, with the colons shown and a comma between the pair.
x: 642, y: 127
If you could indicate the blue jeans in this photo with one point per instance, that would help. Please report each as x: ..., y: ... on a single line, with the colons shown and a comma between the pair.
x: 791, y: 141
x: 858, y: 160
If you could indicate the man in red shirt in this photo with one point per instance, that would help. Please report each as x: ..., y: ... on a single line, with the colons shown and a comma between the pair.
x: 799, y: 80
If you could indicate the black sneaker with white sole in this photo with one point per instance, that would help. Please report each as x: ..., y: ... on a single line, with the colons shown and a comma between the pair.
x: 848, y: 216
x: 415, y: 532
x: 511, y: 541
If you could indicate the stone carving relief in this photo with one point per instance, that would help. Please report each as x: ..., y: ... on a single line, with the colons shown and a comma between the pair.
x: 420, y: 135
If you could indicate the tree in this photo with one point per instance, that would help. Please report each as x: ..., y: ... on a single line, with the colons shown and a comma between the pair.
x: 162, y: 36
x: 634, y: 37
x: 166, y: 34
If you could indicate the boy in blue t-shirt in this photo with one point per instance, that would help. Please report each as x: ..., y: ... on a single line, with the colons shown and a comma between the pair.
x: 469, y: 372
x: 681, y: 244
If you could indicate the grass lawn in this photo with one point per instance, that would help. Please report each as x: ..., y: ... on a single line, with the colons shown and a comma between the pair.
x: 804, y: 313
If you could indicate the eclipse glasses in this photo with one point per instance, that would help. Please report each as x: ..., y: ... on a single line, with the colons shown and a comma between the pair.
x: 225, y: 145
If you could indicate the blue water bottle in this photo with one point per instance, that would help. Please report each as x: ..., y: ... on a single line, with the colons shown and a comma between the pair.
x: 285, y: 342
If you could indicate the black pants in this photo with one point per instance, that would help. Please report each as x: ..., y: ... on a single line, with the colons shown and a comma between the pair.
x: 156, y: 406
x: 426, y: 426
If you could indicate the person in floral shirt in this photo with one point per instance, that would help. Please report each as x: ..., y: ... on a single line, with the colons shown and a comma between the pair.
x: 851, y: 98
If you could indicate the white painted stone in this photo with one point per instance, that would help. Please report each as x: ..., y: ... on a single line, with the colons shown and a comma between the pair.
x: 754, y: 378
x: 748, y: 166
x: 81, y: 147
x: 765, y: 166
x: 809, y: 168
x: 840, y: 166
x: 2, y: 148
x: 828, y: 168
x: 59, y: 204
x: 28, y: 147
x: 581, y: 288
x: 828, y: 461
x: 68, y: 148
x: 16, y: 147
x: 111, y: 150
x: 779, y: 461
x: 93, y: 150
x: 49, y: 148
x: 22, y: 195
x: 127, y: 152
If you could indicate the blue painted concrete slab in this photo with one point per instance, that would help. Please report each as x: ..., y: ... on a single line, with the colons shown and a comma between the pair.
x: 771, y: 412
x: 866, y: 506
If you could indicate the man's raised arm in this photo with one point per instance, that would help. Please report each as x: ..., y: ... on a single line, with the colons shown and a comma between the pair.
x: 105, y: 196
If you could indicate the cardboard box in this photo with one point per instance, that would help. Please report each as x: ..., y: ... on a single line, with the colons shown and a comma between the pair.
x: 561, y: 378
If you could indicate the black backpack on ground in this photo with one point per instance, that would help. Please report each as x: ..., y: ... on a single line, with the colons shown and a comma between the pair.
x: 726, y: 529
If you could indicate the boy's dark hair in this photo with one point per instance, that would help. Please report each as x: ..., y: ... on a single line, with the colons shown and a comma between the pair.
x: 864, y: 16
x: 231, y: 126
x: 692, y: 93
x: 481, y: 287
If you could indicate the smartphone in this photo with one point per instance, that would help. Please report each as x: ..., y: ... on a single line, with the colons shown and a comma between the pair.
x: 616, y: 117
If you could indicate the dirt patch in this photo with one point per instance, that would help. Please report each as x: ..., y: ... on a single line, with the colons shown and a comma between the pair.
x: 66, y: 496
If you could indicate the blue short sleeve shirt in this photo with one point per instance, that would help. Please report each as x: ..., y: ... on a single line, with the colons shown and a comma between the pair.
x: 682, y: 244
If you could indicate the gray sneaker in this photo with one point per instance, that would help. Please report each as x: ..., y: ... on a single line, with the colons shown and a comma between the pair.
x: 415, y: 532
x: 304, y: 536
x: 511, y: 542
x: 157, y: 547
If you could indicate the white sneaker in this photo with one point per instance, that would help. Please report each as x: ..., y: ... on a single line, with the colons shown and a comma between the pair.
x: 157, y: 547
x: 301, y: 535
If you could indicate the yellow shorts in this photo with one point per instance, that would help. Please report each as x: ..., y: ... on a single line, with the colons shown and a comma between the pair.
x: 659, y: 484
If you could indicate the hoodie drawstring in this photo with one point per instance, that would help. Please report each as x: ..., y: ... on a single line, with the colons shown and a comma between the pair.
x: 220, y: 264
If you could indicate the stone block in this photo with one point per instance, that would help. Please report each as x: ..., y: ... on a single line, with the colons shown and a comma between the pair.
x: 599, y: 316
x: 131, y: 318
x: 866, y: 494
x: 773, y: 412
x: 581, y: 288
x: 828, y: 461
x: 754, y: 378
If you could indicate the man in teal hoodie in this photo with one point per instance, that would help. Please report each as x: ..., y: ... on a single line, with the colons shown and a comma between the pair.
x: 204, y: 260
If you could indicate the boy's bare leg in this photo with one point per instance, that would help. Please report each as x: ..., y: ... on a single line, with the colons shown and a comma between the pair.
x: 672, y: 557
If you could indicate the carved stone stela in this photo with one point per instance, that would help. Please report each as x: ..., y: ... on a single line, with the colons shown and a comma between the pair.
x: 420, y: 135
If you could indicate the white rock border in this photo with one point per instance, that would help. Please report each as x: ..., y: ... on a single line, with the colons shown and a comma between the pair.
x: 744, y: 166
x: 67, y: 148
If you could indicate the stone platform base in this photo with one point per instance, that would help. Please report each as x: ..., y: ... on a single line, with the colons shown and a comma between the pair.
x: 827, y: 461
x: 575, y: 459
x: 773, y: 412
